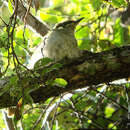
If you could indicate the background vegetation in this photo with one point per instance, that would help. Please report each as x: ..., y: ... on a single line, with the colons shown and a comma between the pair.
x: 105, y: 26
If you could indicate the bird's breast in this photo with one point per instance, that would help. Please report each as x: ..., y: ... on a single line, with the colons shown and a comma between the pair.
x: 59, y: 45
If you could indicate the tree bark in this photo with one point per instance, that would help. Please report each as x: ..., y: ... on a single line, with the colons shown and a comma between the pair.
x: 29, y: 19
x: 87, y: 70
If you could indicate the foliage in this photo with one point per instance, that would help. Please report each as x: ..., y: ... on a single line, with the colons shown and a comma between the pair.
x: 103, y: 106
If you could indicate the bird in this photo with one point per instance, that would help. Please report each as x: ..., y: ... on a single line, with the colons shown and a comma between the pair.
x: 59, y: 43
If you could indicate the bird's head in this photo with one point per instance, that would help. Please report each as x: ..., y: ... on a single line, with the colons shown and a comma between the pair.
x: 70, y: 24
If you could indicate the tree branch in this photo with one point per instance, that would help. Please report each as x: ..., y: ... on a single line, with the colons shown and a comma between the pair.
x: 87, y: 70
x: 30, y: 20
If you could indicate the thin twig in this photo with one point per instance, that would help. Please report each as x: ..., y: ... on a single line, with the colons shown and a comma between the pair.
x: 54, y: 115
x: 42, y: 114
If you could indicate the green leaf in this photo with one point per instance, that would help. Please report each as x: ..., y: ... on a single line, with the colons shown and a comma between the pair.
x: 13, y: 80
x: 60, y: 82
x: 118, y: 33
x: 49, y: 18
x: 20, y: 52
x: 118, y: 3
x: 127, y: 85
x: 112, y: 126
x: 96, y: 4
x: 56, y: 66
x: 45, y: 61
x: 37, y: 41
x: 10, y: 6
x: 108, y: 111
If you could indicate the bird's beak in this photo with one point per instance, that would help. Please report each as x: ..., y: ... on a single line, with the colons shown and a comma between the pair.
x: 77, y: 21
